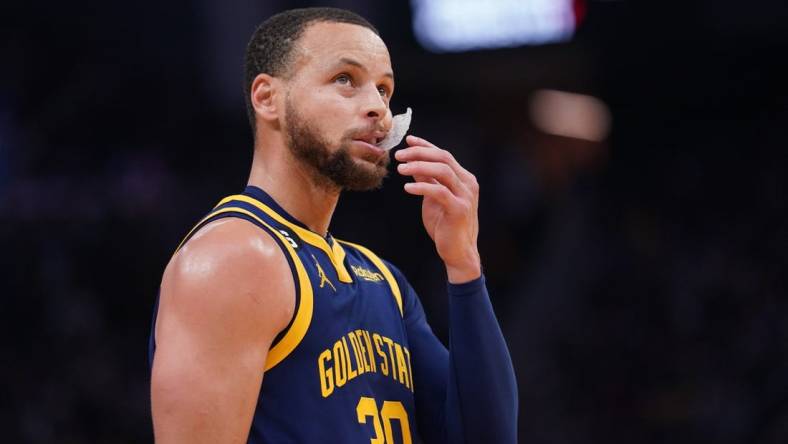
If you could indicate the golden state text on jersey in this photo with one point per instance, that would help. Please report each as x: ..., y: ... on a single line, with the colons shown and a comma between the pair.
x: 340, y: 372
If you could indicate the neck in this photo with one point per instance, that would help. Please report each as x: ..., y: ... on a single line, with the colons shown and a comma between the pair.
x: 293, y: 186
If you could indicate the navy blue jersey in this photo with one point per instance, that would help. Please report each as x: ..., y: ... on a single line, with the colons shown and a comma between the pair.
x: 341, y: 370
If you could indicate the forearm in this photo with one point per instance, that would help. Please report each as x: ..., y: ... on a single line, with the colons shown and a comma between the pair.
x: 481, y: 398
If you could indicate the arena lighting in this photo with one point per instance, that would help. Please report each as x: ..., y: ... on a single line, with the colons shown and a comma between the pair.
x: 570, y: 115
x: 461, y: 25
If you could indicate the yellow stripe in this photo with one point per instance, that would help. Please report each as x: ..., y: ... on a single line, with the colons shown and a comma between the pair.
x: 336, y: 254
x: 383, y: 269
x: 339, y: 254
x: 303, y: 317
x: 224, y: 210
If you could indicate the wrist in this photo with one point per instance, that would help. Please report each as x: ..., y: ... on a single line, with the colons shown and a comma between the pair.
x: 465, y: 271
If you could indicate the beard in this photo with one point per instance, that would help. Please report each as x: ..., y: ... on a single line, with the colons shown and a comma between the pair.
x: 332, y: 170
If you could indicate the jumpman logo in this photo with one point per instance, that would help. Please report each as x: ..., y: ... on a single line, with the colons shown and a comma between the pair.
x: 323, y: 278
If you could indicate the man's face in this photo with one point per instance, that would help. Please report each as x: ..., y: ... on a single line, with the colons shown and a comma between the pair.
x: 337, y: 105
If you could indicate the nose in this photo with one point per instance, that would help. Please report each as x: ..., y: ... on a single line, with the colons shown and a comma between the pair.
x: 374, y: 107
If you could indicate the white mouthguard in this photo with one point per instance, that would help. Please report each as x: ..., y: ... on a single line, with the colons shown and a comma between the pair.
x: 398, y: 130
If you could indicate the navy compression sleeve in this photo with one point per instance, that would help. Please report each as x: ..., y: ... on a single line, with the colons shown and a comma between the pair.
x: 467, y: 394
x: 482, y: 390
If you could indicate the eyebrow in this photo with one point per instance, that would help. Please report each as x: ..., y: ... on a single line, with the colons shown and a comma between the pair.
x: 356, y: 63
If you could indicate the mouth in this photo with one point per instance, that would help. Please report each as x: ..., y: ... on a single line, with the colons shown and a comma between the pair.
x: 370, y: 145
x: 371, y: 140
x: 368, y: 152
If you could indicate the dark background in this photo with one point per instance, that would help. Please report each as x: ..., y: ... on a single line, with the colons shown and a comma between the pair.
x: 640, y: 282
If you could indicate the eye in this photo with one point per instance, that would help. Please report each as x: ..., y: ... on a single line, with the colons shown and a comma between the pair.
x: 384, y: 92
x: 343, y: 79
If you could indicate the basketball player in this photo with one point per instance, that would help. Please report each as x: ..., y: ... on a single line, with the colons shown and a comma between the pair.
x: 269, y: 330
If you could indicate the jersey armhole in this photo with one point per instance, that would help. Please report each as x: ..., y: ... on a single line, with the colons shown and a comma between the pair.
x: 287, y: 339
x: 290, y: 263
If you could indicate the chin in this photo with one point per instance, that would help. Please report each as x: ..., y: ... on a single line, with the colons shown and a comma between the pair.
x: 367, y: 176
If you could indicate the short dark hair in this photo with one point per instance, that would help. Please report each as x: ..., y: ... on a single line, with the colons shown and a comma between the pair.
x: 270, y: 49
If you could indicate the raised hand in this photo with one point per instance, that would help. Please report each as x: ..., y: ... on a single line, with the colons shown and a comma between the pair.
x: 449, y: 209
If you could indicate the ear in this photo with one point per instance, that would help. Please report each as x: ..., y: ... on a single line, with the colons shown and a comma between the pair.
x: 265, y: 90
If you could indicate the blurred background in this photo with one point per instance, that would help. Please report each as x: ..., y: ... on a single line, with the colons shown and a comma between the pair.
x: 631, y: 157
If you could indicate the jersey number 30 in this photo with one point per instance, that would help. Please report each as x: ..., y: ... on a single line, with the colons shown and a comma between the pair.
x: 368, y: 408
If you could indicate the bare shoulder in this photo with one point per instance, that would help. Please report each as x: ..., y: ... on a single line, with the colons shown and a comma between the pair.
x: 224, y: 297
x: 231, y: 271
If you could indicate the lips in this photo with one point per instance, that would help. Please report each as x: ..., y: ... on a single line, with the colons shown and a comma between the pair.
x: 370, y: 146
x: 373, y: 138
x: 367, y: 151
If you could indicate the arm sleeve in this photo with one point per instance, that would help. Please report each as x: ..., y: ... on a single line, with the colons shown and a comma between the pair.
x: 468, y: 393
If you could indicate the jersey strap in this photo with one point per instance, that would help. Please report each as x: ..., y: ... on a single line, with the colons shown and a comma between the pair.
x: 335, y: 253
x: 383, y: 269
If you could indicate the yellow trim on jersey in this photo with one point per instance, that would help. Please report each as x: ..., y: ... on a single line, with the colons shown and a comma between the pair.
x: 383, y: 269
x: 335, y: 253
x: 339, y: 255
x: 188, y: 235
x: 303, y: 317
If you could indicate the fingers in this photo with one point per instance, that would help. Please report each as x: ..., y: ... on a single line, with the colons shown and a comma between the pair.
x: 421, y: 149
x: 432, y: 172
x: 415, y: 140
x: 424, y: 179
x: 435, y: 191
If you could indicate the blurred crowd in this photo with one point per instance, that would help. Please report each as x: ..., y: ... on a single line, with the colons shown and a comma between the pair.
x: 640, y: 279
